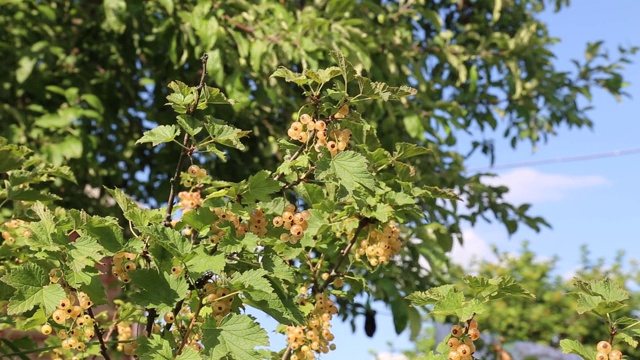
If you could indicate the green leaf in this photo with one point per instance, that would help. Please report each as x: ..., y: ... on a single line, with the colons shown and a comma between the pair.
x: 30, y: 282
x: 159, y: 135
x: 158, y: 290
x: 290, y: 76
x: 224, y: 134
x: 189, y: 124
x: 154, y: 348
x: 575, y: 347
x: 351, y: 169
x: 259, y: 187
x: 407, y: 150
x: 85, y: 251
x: 236, y: 335
x: 25, y: 67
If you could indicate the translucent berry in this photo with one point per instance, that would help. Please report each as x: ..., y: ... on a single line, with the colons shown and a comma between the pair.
x: 193, y: 170
x: 456, y: 330
x: 615, y: 355
x: 474, y: 334
x: 464, y: 350
x: 321, y: 125
x: 604, y: 347
x: 46, y: 329
x: 453, y: 343
x: 176, y: 270
x: 305, y: 118
x: 169, y: 317
x: 277, y: 221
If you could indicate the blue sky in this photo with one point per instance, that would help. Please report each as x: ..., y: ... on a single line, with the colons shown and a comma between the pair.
x: 591, y: 202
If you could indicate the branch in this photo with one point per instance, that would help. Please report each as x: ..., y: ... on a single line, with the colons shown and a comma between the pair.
x: 287, y: 353
x: 151, y: 318
x: 189, y: 328
x: 100, y: 333
x: 343, y: 255
x: 185, y: 141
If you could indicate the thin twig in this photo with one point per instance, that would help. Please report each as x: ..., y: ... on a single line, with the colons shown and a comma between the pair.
x: 299, y: 180
x: 194, y: 319
x: 344, y: 254
x: 287, y: 353
x: 100, y: 333
x: 112, y: 327
x: 185, y: 141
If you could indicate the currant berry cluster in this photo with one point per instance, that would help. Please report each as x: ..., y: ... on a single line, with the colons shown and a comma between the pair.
x: 189, y: 200
x: 295, y: 222
x: 461, y: 346
x: 123, y: 262
x: 218, y: 297
x: 125, y: 333
x: 197, y: 172
x: 15, y: 228
x: 300, y: 130
x: 71, y: 309
x: 316, y: 336
x: 606, y: 352
x: 335, y: 142
x: 380, y: 246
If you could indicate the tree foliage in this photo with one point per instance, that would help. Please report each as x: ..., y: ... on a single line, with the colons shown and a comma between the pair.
x: 88, y: 139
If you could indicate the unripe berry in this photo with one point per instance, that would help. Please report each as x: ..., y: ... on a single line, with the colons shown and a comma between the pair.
x: 201, y: 174
x: 603, y: 347
x: 46, y: 329
x: 325, y: 276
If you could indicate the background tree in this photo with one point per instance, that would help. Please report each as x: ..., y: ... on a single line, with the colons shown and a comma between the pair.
x: 85, y: 79
x: 551, y: 316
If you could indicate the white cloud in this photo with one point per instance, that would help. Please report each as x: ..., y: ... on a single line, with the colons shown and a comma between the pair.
x: 389, y: 356
x: 474, y: 247
x: 532, y: 186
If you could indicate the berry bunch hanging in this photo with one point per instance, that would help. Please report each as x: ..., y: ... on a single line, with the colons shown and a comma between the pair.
x: 380, y: 246
x: 70, y: 312
x: 606, y: 352
x: 295, y: 222
x: 461, y: 346
x: 123, y: 262
x: 15, y: 228
x: 220, y: 299
x: 316, y: 336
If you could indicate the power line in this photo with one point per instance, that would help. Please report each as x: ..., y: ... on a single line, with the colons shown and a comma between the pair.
x: 559, y: 160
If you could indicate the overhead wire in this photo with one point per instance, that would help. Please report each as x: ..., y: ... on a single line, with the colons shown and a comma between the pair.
x: 557, y: 160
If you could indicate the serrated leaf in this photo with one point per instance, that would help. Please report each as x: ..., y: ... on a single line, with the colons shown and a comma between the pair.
x: 159, y: 135
x: 259, y: 187
x: 431, y: 296
x: 252, y: 280
x: 85, y: 251
x: 290, y: 76
x: 157, y: 290
x: 154, y: 348
x: 224, y: 134
x: 189, y: 124
x: 171, y: 240
x: 351, y: 169
x: 236, y: 335
x: 407, y: 150
x: 495, y: 288
x: 574, y: 347
x: 30, y: 282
